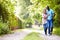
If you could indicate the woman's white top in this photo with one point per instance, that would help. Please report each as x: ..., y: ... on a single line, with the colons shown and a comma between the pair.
x: 44, y: 18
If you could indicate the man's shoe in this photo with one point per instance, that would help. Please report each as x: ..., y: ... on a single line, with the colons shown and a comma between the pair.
x: 45, y: 33
x: 51, y: 33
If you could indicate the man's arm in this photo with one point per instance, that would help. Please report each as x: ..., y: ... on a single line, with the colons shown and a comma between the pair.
x: 53, y: 13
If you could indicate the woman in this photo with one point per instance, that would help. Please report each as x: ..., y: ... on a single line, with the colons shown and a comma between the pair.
x: 44, y: 20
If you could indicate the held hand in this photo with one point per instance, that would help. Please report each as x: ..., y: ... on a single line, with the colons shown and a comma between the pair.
x: 48, y: 14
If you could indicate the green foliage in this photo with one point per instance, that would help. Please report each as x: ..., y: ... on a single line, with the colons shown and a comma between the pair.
x: 21, y: 24
x: 24, y: 15
x: 38, y: 17
x: 57, y: 31
x: 23, y: 12
x: 7, y: 12
x: 4, y: 28
x: 38, y: 5
x: 57, y: 18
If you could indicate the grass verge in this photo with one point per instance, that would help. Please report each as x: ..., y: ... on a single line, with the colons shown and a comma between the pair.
x: 33, y: 36
x: 57, y: 31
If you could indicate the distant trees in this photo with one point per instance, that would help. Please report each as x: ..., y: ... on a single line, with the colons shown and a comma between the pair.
x: 7, y: 12
x: 38, y: 5
x: 22, y: 12
x: 14, y: 12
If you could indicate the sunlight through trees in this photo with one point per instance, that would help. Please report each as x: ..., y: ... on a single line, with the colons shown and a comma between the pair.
x: 20, y: 13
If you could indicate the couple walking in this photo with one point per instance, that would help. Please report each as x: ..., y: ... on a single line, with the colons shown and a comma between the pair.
x: 48, y: 20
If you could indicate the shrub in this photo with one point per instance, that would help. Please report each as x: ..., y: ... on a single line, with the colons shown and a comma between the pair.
x: 4, y: 29
x: 57, y: 17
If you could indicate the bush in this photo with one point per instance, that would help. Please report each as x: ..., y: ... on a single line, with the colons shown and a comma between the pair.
x: 57, y: 31
x: 57, y: 16
x: 4, y: 29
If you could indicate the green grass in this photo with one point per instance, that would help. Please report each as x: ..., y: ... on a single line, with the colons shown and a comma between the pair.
x: 57, y: 31
x: 33, y: 36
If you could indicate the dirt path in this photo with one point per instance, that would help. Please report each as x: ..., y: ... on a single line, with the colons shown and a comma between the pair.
x: 47, y: 37
x: 25, y: 32
x: 15, y: 36
x: 52, y: 37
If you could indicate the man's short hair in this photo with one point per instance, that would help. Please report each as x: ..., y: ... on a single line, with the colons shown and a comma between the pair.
x: 47, y: 7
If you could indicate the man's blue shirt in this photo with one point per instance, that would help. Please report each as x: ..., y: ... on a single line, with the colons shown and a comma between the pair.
x: 50, y: 13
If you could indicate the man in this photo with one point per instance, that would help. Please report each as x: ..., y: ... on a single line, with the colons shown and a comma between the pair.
x: 50, y: 12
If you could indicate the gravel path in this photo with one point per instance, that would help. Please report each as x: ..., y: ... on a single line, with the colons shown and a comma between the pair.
x: 25, y: 32
x: 15, y: 36
x: 47, y: 37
